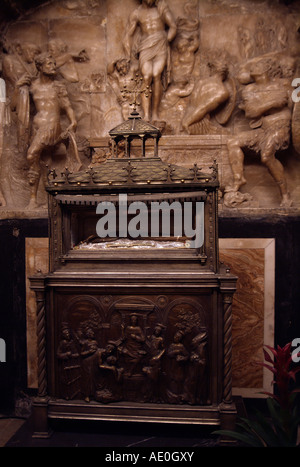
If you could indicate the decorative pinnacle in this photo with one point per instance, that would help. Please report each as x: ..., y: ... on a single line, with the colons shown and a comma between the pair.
x: 129, y: 168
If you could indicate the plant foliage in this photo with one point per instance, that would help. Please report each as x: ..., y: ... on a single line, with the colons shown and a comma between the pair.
x: 279, y: 428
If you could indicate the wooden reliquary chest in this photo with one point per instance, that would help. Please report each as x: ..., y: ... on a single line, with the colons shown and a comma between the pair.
x: 134, y: 316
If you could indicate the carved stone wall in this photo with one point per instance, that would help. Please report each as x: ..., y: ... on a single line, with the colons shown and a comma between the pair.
x: 223, y: 91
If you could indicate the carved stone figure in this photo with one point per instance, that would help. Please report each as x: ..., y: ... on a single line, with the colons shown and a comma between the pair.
x: 122, y: 74
x: 50, y: 98
x: 207, y: 96
x: 184, y: 48
x: 153, y: 51
x: 18, y: 70
x: 267, y: 104
x: 246, y: 42
x: 65, y: 61
x: 174, y: 93
x: 192, y: 77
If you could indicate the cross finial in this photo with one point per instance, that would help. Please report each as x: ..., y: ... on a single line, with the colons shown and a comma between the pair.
x: 129, y: 168
x: 51, y: 174
x: 66, y: 174
x: 195, y: 170
x: 169, y: 171
x: 136, y: 91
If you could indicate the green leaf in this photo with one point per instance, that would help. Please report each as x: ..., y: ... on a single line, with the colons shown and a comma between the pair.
x: 246, y: 439
x: 263, y: 431
x: 268, y: 426
x: 274, y: 410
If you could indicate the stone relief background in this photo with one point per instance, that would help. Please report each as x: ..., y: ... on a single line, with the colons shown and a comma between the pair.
x: 217, y: 45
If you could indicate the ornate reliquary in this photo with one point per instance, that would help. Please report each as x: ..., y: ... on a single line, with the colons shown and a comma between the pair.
x: 134, y: 316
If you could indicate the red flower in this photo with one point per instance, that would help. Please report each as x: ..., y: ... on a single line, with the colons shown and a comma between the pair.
x: 280, y: 366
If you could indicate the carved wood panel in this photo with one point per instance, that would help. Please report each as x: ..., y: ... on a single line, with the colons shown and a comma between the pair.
x: 141, y: 348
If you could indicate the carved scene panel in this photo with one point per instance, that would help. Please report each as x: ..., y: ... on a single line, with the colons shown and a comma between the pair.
x: 134, y: 348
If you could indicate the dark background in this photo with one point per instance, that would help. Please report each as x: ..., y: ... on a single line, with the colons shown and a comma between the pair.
x: 13, y: 373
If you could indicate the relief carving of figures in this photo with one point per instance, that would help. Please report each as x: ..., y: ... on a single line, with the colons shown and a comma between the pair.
x: 68, y: 356
x: 183, y: 53
x: 90, y: 356
x: 196, y: 382
x: 18, y: 70
x: 246, y: 42
x: 157, y: 29
x: 122, y: 76
x: 266, y: 103
x: 270, y: 36
x: 193, y: 56
x: 145, y: 361
x: 132, y: 347
x: 65, y: 61
x: 108, y: 380
x: 157, y: 350
x: 176, y: 369
x: 215, y: 94
x: 184, y: 48
x: 50, y: 98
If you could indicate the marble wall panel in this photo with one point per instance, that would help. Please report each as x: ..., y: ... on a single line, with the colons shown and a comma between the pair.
x: 252, y: 260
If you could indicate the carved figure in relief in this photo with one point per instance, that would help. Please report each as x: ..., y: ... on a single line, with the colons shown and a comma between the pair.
x: 95, y: 83
x: 196, y: 383
x: 176, y: 370
x: 18, y: 70
x: 175, y: 92
x: 246, y: 42
x: 68, y: 356
x: 207, y: 96
x: 122, y: 74
x: 156, y: 342
x: 153, y: 369
x: 267, y: 105
x: 152, y: 18
x: 132, y: 346
x: 184, y: 48
x: 65, y: 61
x: 110, y: 376
x: 50, y: 98
x: 89, y: 353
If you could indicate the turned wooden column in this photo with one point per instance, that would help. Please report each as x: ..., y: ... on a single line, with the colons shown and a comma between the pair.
x: 227, y: 407
x: 227, y: 348
x: 40, y: 402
